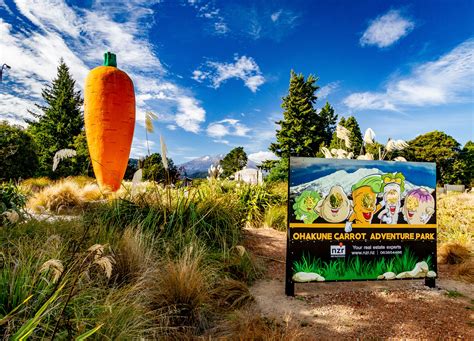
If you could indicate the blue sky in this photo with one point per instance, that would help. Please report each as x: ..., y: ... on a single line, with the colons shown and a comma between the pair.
x: 215, y: 71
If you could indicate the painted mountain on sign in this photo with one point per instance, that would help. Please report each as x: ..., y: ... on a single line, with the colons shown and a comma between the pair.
x: 345, y: 180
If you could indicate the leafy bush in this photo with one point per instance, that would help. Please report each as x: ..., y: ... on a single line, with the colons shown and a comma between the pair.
x: 11, y: 197
x: 17, y: 152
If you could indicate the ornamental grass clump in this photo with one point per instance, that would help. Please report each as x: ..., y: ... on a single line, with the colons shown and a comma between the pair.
x: 69, y: 195
x: 58, y: 198
x: 182, y: 286
x: 34, y: 185
x: 453, y: 253
x: 465, y: 270
x: 133, y: 256
x: 248, y: 324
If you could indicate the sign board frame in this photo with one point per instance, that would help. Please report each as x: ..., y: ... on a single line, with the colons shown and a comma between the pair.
x: 317, y: 240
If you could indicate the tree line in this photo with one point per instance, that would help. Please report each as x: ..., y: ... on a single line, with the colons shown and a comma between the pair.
x: 303, y: 131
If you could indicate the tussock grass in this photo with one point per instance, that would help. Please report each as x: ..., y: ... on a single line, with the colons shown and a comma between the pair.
x: 453, y: 253
x: 232, y: 294
x: 248, y: 324
x: 56, y: 198
x: 149, y: 261
x: 275, y: 217
x: 183, y: 287
x: 64, y: 196
x: 133, y: 256
x: 465, y: 270
x: 175, y: 215
x: 34, y: 185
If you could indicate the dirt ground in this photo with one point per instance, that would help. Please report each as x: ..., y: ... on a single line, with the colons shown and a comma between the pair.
x: 372, y: 309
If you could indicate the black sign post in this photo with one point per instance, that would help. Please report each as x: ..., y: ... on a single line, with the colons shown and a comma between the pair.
x: 354, y: 220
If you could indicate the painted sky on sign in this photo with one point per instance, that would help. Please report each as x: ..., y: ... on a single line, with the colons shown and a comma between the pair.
x: 308, y: 169
x: 215, y: 71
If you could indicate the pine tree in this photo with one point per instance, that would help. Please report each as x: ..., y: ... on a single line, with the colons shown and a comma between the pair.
x: 234, y: 161
x: 355, y: 136
x: 59, y: 123
x: 303, y: 129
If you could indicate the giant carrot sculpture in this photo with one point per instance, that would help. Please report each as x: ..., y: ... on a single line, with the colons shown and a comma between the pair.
x: 109, y: 114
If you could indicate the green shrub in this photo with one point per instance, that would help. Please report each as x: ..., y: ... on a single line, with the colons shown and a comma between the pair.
x: 11, y: 197
x: 18, y: 152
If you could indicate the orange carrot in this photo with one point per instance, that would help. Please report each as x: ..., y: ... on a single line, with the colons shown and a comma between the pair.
x: 109, y: 115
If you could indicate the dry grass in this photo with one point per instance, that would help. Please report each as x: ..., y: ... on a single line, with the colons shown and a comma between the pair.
x: 133, y: 256
x: 232, y: 294
x: 183, y: 287
x: 64, y: 196
x: 34, y: 185
x: 456, y: 218
x: 56, y: 198
x: 453, y: 253
x: 250, y: 325
x: 465, y: 271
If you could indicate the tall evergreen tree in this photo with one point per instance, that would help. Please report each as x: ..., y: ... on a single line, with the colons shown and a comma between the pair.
x: 234, y: 161
x: 355, y: 136
x: 59, y: 123
x: 303, y: 129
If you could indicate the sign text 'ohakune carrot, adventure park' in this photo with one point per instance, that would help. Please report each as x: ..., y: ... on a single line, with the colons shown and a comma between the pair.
x: 360, y: 220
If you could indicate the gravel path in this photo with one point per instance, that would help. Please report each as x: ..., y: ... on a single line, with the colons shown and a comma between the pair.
x: 348, y: 310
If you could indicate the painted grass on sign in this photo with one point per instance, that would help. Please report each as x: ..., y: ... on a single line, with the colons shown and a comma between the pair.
x: 357, y: 268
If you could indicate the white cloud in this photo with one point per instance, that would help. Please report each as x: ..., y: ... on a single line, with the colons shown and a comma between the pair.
x: 325, y: 90
x: 387, y: 29
x: 261, y: 156
x: 198, y: 76
x: 221, y: 27
x: 140, y: 147
x: 217, y: 130
x: 446, y: 80
x: 244, y: 68
x: 81, y: 37
x: 171, y: 127
x: 226, y: 127
x: 209, y: 12
x: 276, y: 15
x: 190, y: 114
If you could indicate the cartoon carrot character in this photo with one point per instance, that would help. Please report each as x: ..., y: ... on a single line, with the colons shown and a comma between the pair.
x: 109, y: 115
x: 364, y: 198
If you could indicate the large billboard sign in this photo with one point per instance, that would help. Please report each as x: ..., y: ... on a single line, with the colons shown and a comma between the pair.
x: 354, y: 220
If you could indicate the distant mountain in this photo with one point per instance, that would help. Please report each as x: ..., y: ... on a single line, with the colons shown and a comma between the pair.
x: 345, y: 180
x: 198, y: 167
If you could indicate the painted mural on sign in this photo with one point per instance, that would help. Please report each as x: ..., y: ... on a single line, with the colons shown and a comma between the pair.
x: 360, y: 220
